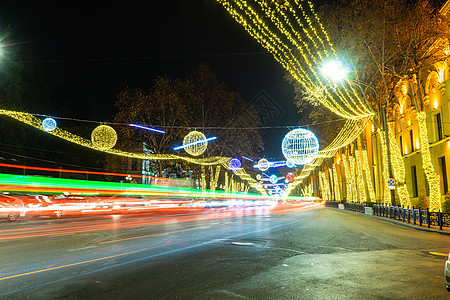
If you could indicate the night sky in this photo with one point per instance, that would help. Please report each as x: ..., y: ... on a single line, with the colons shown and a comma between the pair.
x: 100, y: 49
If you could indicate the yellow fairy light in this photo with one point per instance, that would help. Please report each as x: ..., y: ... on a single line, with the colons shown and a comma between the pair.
x: 387, y: 192
x: 337, y: 192
x: 368, y: 176
x: 275, y: 31
x: 432, y: 177
x: 361, y: 185
x: 398, y: 168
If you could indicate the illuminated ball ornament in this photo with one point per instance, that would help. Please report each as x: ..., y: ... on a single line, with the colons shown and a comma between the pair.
x: 234, y: 164
x: 290, y: 177
x: 49, y: 124
x: 104, y: 137
x: 300, y: 146
x: 195, y: 143
x: 290, y: 163
x: 263, y: 164
x: 273, y: 178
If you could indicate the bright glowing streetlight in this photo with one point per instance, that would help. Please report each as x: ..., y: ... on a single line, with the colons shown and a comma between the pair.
x: 335, y: 70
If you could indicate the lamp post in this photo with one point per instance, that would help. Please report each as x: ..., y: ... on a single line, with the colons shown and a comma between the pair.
x: 337, y: 71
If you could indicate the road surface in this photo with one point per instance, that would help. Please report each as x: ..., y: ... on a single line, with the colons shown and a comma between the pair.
x: 253, y: 253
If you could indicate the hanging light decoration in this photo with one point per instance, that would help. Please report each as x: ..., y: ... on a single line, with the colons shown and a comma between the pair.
x: 49, y: 124
x: 234, y: 164
x: 104, y: 137
x: 300, y: 146
x: 263, y: 164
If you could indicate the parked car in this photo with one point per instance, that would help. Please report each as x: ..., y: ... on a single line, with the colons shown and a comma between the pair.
x: 11, y: 208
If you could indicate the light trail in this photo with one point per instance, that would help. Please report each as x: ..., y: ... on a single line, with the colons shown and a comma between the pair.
x: 72, y: 171
x: 164, y: 217
x: 126, y: 262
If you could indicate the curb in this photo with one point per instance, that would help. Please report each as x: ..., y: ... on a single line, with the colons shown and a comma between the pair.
x: 401, y: 223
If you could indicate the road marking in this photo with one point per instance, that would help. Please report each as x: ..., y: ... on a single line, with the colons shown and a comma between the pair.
x: 439, y: 254
x: 71, y: 265
x: 87, y: 247
x: 242, y: 244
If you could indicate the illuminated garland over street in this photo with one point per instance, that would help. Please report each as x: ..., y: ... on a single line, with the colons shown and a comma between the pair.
x: 104, y: 145
x: 293, y: 33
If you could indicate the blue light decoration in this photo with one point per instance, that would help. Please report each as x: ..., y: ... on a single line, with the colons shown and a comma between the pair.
x: 290, y: 163
x: 234, y: 164
x: 273, y: 178
x: 49, y: 124
x: 146, y: 128
x: 247, y: 158
x: 300, y: 146
x: 195, y: 143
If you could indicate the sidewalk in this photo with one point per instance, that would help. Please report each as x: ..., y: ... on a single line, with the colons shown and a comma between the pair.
x: 424, y: 227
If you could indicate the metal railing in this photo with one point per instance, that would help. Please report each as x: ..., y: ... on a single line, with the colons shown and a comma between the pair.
x: 413, y: 215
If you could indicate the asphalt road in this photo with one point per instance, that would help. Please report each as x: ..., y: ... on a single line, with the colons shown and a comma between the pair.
x: 318, y: 253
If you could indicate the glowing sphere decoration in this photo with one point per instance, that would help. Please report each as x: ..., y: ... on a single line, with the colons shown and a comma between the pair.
x: 290, y: 177
x: 104, y: 137
x: 290, y: 163
x: 195, y: 143
x: 234, y: 164
x: 263, y: 164
x: 273, y: 178
x: 258, y: 176
x: 49, y: 124
x: 300, y: 146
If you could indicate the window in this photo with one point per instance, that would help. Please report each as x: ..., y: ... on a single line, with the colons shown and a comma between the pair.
x: 443, y: 173
x: 411, y: 139
x: 439, y: 126
x: 401, y: 145
x: 415, y: 190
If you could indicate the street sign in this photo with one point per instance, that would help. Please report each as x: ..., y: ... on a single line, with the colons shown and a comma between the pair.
x: 391, y: 187
x: 391, y: 182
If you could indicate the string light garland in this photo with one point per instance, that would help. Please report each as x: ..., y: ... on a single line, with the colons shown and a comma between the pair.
x: 282, y: 30
x: 361, y: 184
x: 398, y: 167
x: 387, y: 192
x: 433, y: 178
x: 337, y: 192
x: 31, y: 120
x: 368, y: 176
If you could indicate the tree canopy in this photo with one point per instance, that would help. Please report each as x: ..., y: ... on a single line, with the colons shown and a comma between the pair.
x: 197, y: 102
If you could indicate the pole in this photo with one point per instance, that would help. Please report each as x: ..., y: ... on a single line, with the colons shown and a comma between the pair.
x: 388, y: 153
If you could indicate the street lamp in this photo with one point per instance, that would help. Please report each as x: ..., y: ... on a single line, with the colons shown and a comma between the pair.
x: 336, y: 71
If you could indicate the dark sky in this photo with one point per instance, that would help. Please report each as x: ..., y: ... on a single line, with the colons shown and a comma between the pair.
x: 100, y: 49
